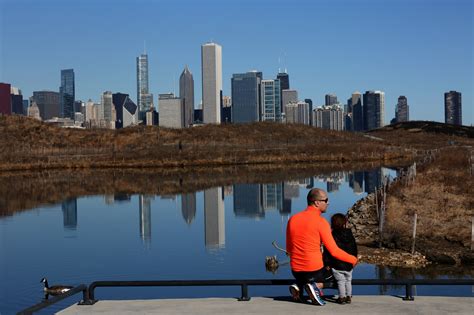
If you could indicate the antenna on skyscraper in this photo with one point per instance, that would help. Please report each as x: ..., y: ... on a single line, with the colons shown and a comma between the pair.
x: 144, y: 47
x: 279, y: 61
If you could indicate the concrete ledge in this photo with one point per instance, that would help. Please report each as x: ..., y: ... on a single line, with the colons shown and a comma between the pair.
x: 280, y: 305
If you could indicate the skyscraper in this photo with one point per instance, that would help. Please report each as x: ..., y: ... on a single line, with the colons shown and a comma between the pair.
x: 287, y: 97
x: 284, y: 85
x: 16, y: 101
x: 186, y: 94
x: 453, y: 108
x: 171, y: 111
x: 402, y: 109
x: 126, y: 111
x: 48, y: 103
x: 329, y: 117
x: 5, y: 100
x: 270, y: 98
x: 67, y: 94
x: 357, y: 112
x: 211, y: 63
x: 107, y: 106
x: 310, y: 104
x: 144, y: 98
x: 330, y: 99
x: 246, y: 97
x: 297, y: 113
x: 374, y: 109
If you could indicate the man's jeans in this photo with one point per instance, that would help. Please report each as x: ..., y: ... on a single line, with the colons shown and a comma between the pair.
x: 344, y: 284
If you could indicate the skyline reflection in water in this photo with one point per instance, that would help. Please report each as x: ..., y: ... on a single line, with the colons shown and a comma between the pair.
x: 251, y: 201
x: 221, y: 232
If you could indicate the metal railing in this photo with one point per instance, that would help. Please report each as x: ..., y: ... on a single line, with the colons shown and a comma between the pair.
x: 89, y: 292
x: 244, y: 284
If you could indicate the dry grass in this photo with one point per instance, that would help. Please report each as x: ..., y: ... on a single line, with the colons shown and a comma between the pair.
x: 443, y: 198
x: 35, y: 145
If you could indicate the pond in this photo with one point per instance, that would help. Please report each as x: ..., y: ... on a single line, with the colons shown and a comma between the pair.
x: 206, y: 231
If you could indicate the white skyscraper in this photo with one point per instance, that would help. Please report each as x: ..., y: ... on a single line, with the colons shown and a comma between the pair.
x: 211, y: 63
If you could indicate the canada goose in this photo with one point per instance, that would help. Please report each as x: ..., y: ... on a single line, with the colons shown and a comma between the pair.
x: 55, y: 289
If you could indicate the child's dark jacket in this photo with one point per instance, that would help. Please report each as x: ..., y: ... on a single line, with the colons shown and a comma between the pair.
x: 345, y: 240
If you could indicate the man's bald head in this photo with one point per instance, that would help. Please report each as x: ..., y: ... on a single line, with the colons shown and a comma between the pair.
x: 315, y: 194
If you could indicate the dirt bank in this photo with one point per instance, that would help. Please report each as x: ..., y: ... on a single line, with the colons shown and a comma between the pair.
x: 442, y: 197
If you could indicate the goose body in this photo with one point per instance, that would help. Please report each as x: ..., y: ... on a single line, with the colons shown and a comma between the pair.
x: 55, y: 289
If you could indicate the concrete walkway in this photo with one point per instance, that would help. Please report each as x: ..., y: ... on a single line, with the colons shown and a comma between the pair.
x: 280, y: 305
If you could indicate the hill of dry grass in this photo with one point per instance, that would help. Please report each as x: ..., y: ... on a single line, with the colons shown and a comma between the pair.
x: 35, y: 145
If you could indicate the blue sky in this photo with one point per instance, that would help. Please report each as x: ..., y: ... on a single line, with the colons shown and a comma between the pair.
x: 416, y: 48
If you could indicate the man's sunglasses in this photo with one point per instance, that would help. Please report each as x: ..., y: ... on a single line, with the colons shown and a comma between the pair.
x: 325, y: 200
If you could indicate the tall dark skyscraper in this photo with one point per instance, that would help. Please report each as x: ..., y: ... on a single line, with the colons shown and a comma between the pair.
x: 453, y: 108
x: 186, y: 93
x: 374, y: 109
x: 246, y: 97
x: 330, y: 99
x: 67, y: 93
x: 48, y: 103
x: 284, y: 85
x: 402, y: 110
x: 17, y: 104
x: 5, y: 100
x: 357, y: 112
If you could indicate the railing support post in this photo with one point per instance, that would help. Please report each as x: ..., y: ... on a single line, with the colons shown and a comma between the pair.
x: 86, y: 298
x: 408, y: 293
x: 245, y: 293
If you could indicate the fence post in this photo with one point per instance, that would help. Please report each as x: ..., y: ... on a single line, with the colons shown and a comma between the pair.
x: 415, y: 216
x: 408, y: 293
x: 245, y: 293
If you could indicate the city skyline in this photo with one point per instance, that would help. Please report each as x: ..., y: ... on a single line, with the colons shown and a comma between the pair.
x: 411, y: 57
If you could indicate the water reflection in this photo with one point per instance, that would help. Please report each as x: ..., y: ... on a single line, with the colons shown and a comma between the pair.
x: 69, y: 208
x: 233, y: 243
x: 145, y: 218
x: 214, y: 218
x: 188, y: 207
x: 249, y: 201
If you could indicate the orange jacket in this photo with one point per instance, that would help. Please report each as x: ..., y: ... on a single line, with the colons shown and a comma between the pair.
x: 304, y: 233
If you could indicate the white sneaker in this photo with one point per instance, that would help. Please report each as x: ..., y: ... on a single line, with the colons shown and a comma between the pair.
x: 295, y: 293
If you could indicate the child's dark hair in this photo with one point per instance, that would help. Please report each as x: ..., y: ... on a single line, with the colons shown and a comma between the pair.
x: 338, y: 221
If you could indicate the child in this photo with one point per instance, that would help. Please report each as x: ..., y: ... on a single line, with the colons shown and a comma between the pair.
x: 342, y: 271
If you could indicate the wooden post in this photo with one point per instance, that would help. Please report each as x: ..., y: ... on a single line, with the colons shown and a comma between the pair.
x: 414, y: 234
x: 377, y: 204
x: 472, y: 233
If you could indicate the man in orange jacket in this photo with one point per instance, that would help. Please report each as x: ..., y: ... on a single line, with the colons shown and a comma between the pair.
x: 305, y: 232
